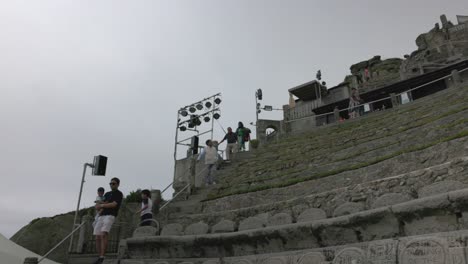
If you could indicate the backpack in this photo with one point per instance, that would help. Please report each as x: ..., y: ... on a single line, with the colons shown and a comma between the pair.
x: 246, y: 134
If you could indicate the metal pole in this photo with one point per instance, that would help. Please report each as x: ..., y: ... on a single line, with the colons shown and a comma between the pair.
x: 256, y: 108
x: 176, y: 138
x: 212, y: 119
x: 175, y: 146
x: 78, y: 204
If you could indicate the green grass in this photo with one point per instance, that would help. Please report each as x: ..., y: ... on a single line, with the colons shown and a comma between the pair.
x: 293, y: 181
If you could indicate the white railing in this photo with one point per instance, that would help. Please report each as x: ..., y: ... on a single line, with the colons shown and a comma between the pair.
x: 317, y: 117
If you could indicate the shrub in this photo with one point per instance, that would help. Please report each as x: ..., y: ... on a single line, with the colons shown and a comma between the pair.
x: 133, y: 196
x: 254, y: 143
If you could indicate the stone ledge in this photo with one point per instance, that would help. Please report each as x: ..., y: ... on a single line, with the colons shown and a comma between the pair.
x: 402, y: 183
x: 417, y: 217
x: 438, y: 248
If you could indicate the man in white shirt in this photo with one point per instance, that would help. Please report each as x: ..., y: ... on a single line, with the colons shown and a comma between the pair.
x: 210, y: 153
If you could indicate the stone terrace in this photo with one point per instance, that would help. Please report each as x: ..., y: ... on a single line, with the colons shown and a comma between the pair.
x: 384, y: 179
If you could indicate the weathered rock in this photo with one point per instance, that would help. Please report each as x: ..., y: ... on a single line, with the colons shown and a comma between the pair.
x: 172, y: 230
x: 199, y: 228
x: 314, y: 257
x: 441, y: 187
x: 224, y: 226
x: 311, y: 214
x: 280, y: 219
x: 145, y: 231
x: 390, y: 199
x: 252, y: 223
x: 348, y: 208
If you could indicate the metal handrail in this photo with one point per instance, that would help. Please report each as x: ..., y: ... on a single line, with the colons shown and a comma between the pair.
x: 151, y: 220
x: 177, y: 194
x: 61, y: 242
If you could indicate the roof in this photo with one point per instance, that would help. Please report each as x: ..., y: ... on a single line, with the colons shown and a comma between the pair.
x: 12, y: 253
x: 307, y: 91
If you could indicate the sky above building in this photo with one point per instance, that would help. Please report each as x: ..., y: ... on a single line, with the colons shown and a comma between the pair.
x: 82, y: 78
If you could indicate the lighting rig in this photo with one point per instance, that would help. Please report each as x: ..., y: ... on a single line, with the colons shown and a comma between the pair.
x: 191, y: 118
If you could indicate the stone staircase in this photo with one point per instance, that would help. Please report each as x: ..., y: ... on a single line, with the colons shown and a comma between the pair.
x: 391, y: 187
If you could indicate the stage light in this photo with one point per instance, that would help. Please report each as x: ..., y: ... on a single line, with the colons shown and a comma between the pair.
x: 182, y: 128
x: 216, y: 116
x: 208, y: 104
x: 217, y: 100
x: 184, y: 113
x: 259, y: 94
x: 192, y: 109
x: 199, y: 106
x: 207, y: 119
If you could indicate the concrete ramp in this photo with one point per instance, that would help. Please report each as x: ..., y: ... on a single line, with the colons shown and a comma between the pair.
x: 11, y: 253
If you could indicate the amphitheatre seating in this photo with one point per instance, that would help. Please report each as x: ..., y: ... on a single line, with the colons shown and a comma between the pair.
x: 378, y: 183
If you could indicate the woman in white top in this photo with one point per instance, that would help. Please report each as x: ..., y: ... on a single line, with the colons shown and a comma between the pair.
x: 146, y: 208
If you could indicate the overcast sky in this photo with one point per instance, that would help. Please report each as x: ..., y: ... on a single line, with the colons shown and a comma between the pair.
x: 81, y: 78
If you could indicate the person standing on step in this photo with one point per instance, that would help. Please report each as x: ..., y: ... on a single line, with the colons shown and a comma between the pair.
x: 367, y: 74
x: 354, y: 101
x: 210, y: 154
x: 231, y: 146
x: 110, y: 208
x: 146, y: 211
x: 243, y: 135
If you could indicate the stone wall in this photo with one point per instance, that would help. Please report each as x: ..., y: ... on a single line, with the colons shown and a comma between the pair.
x: 439, y: 248
x: 444, y: 212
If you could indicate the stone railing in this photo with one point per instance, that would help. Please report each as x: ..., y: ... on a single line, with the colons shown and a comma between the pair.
x: 457, y: 28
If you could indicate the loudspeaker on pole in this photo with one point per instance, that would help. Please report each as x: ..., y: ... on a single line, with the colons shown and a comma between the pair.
x: 100, y: 164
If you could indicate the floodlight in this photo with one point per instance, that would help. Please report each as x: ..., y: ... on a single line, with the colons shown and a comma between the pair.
x: 199, y: 106
x: 216, y: 116
x: 217, y: 100
x: 268, y: 108
x: 259, y: 94
x: 192, y: 109
x: 207, y: 119
x: 184, y: 113
x: 197, y: 121
x: 208, y: 104
x: 182, y: 128
x: 191, y: 125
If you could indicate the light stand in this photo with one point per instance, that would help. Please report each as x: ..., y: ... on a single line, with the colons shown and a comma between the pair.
x: 99, y: 168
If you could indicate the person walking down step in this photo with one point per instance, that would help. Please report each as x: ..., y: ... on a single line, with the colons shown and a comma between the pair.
x: 231, y: 146
x: 110, y: 208
x: 146, y: 211
x: 210, y: 154
x: 243, y: 135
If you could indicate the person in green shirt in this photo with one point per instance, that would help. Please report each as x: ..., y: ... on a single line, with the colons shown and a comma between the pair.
x: 243, y: 135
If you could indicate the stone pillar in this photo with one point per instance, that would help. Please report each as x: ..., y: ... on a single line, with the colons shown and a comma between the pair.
x: 444, y: 21
x: 394, y: 100
x: 156, y: 198
x: 457, y: 80
x: 83, y: 232
x: 31, y: 261
x: 336, y: 113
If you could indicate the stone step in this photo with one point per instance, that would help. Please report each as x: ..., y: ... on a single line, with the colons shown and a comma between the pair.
x: 445, y: 212
x: 405, y: 186
x: 418, y: 136
x: 437, y: 248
